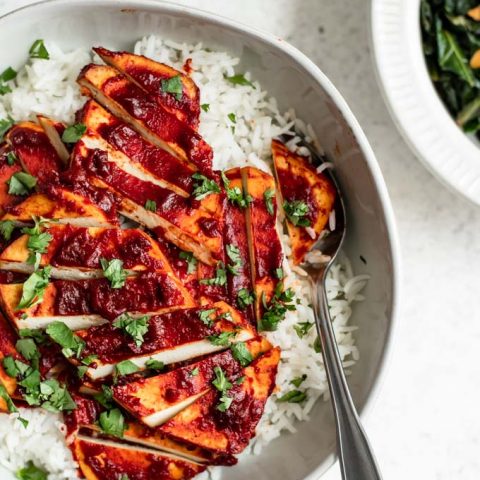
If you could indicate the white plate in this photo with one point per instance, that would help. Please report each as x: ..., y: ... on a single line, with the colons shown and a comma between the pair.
x: 415, y: 106
x: 296, y: 82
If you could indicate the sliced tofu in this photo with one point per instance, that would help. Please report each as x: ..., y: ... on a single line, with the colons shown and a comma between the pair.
x: 6, y: 171
x: 155, y: 400
x: 264, y: 245
x: 35, y: 152
x: 75, y: 252
x: 192, y: 225
x: 130, y: 103
x: 171, y: 337
x: 82, y: 304
x: 101, y: 459
x: 54, y: 131
x: 150, y: 75
x: 202, y: 424
x: 235, y: 234
x: 299, y: 181
x: 169, y: 171
x: 62, y: 205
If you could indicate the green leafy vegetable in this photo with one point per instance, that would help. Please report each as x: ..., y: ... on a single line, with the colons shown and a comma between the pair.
x: 72, y: 345
x: 296, y: 212
x: 296, y: 382
x: 222, y: 339
x: 112, y: 422
x: 244, y: 298
x: 6, y: 229
x: 151, y: 205
x: 276, y: 310
x: 241, y: 353
x: 6, y: 397
x: 73, y: 133
x: 191, y: 261
x: 11, y: 158
x: 105, y: 397
x: 205, y: 316
x: 220, y: 382
x: 294, y: 396
x: 38, y: 50
x: 21, y: 183
x: 34, y: 288
x: 239, y: 79
x: 302, y: 328
x: 279, y: 273
x: 5, y: 125
x: 268, y: 197
x: 28, y: 349
x: 173, y: 85
x: 233, y: 253
x: 31, y: 472
x: 205, y: 107
x: 8, y: 74
x: 194, y: 372
x: 203, y: 186
x: 153, y: 364
x: 38, y: 241
x: 235, y: 194
x: 36, y: 333
x: 125, y: 368
x: 135, y: 327
x: 232, y: 117
x: 220, y: 277
x: 317, y: 346
x: 114, y: 272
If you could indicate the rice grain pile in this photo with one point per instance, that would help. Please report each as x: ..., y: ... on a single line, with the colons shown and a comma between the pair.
x: 239, y: 121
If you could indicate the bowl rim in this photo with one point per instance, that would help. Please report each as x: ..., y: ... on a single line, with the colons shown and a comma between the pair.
x: 413, y: 103
x: 314, y: 71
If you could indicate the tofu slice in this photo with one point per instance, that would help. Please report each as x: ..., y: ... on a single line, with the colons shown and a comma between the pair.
x: 171, y: 337
x: 299, y: 181
x: 193, y: 225
x: 75, y: 252
x: 169, y: 171
x: 35, y: 152
x: 6, y: 171
x: 203, y: 425
x: 101, y: 459
x: 130, y: 103
x: 82, y: 304
x: 155, y: 400
x: 149, y: 75
x: 54, y: 131
x: 266, y: 255
x: 62, y: 205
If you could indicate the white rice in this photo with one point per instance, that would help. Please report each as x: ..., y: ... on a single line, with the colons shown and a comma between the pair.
x: 49, y: 87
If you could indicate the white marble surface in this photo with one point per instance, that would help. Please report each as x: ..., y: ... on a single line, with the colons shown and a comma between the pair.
x: 425, y: 424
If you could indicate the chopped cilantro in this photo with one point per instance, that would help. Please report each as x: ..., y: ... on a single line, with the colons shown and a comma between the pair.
x: 279, y: 273
x: 11, y: 158
x: 8, y: 401
x: 38, y: 50
x: 205, y: 316
x: 294, y: 396
x: 203, y: 186
x: 277, y: 308
x: 36, y: 333
x: 8, y: 74
x: 296, y: 382
x: 233, y: 254
x: 105, y: 397
x: 28, y: 349
x: 241, y: 353
x: 205, y: 107
x: 126, y: 367
x: 194, y: 372
x: 72, y: 344
x: 151, y: 205
x: 225, y: 402
x: 31, y: 472
x: 268, y: 196
x: 235, y: 194
x: 153, y: 364
x: 220, y: 382
x: 73, y: 133
x: 114, y: 272
x: 240, y: 380
x: 191, y: 261
x: 296, y: 212
x: 244, y: 298
x: 112, y: 422
x: 5, y: 125
x: 34, y: 288
x: 232, y: 117
x: 221, y: 339
x: 173, y: 85
x: 317, y: 346
x: 239, y: 79
x: 220, y: 277
x: 302, y: 328
x: 20, y: 183
x: 6, y: 229
x: 135, y: 327
x: 38, y: 241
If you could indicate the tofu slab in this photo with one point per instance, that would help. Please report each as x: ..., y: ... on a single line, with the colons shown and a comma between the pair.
x: 299, y: 181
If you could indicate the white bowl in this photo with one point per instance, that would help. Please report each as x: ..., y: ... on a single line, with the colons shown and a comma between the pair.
x: 416, y: 107
x: 296, y: 82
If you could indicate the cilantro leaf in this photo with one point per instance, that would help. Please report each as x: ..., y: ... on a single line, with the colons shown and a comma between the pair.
x: 151, y: 205
x: 225, y: 402
x: 4, y: 89
x: 221, y: 339
x: 6, y: 229
x: 6, y: 397
x: 232, y: 117
x: 28, y: 349
x: 73, y: 133
x: 191, y: 261
x: 173, y: 85
x: 11, y: 158
x: 126, y: 367
x: 296, y: 382
x: 105, y: 397
x: 317, y: 346
x: 239, y: 79
x: 235, y: 194
x: 205, y: 316
x: 21, y: 183
x: 36, y: 333
x: 302, y: 328
x: 5, y: 125
x: 31, y: 472
x: 268, y: 196
x: 203, y: 186
x: 244, y: 298
x: 8, y: 74
x: 114, y: 272
x: 205, y: 107
x: 294, y: 396
x: 57, y: 397
x: 220, y: 277
x: 34, y: 288
x: 296, y: 212
x: 279, y: 273
x: 220, y: 382
x: 233, y: 253
x: 153, y: 364
x: 276, y: 310
x: 112, y: 422
x: 241, y: 353
x: 72, y: 345
x: 38, y: 50
x: 194, y: 372
x: 135, y: 327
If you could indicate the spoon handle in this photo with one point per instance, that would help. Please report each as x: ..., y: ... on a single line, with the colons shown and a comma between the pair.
x: 357, y: 461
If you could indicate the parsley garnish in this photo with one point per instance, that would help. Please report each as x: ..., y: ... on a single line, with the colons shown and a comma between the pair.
x: 173, y: 85
x: 135, y: 327
x: 31, y: 472
x: 112, y: 422
x: 205, y: 107
x: 244, y: 298
x: 295, y: 212
x: 38, y: 50
x: 28, y: 349
x: 7, y: 75
x: 34, y: 288
x: 296, y: 382
x: 220, y: 277
x: 38, y: 241
x: 191, y: 261
x: 239, y: 79
x: 241, y: 353
x: 222, y: 384
x: 233, y: 253
x: 294, y: 396
x: 268, y: 196
x: 153, y: 364
x: 114, y: 272
x: 72, y: 345
x: 36, y: 333
x: 232, y: 117
x: 73, y: 133
x: 235, y: 194
x: 203, y: 186
x: 276, y: 310
x: 125, y: 368
x: 21, y: 183
x: 6, y: 229
x: 221, y: 339
x: 11, y: 158
x: 105, y: 397
x: 302, y: 328
x: 225, y: 402
x: 5, y: 125
x: 205, y: 316
x: 151, y: 205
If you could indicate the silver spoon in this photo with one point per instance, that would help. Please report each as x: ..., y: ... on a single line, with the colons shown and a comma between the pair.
x: 357, y: 461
